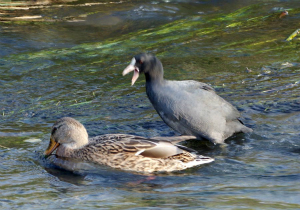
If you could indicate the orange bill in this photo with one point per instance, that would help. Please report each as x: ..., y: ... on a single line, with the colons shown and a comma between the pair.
x: 52, y: 146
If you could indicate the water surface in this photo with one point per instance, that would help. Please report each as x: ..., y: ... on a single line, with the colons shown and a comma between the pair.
x: 66, y: 58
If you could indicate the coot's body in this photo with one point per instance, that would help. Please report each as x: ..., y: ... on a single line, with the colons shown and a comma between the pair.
x: 189, y: 107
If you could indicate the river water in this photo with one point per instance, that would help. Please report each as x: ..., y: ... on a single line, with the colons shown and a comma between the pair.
x: 66, y: 58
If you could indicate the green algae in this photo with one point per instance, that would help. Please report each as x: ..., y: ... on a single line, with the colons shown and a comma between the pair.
x: 232, y: 35
x: 178, y: 32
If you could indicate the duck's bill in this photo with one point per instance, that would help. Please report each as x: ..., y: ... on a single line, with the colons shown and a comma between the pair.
x: 52, y: 146
x: 131, y: 67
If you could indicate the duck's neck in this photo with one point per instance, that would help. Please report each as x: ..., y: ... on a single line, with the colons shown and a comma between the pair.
x: 70, y: 149
x: 63, y: 151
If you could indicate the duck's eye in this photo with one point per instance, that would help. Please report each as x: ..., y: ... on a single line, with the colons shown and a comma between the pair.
x: 53, y: 130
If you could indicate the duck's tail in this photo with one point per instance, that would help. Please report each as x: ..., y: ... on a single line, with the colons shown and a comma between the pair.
x: 199, y: 160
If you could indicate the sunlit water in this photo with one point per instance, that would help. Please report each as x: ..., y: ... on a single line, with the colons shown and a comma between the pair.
x: 67, y: 61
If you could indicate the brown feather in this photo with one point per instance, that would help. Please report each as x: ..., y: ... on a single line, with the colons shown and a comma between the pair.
x: 127, y: 152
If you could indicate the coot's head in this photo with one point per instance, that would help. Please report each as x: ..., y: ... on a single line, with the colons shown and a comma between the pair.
x: 143, y: 63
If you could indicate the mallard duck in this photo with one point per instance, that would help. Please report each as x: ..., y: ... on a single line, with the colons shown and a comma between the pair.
x: 127, y: 152
x: 189, y: 107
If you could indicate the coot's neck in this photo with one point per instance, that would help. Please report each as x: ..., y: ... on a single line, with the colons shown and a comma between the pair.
x: 156, y: 73
x: 154, y: 81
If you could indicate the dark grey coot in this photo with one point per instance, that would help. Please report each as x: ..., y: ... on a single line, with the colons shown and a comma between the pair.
x: 189, y: 107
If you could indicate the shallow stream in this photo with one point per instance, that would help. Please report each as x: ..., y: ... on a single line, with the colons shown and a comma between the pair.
x: 66, y: 58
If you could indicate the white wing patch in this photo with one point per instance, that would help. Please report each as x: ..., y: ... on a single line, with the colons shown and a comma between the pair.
x: 139, y: 152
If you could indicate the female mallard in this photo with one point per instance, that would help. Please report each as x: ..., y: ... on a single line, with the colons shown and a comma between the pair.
x: 122, y: 151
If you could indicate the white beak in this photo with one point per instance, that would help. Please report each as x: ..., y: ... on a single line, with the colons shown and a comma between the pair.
x: 131, y: 67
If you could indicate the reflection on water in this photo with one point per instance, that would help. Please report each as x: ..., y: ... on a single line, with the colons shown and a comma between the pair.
x: 65, y: 58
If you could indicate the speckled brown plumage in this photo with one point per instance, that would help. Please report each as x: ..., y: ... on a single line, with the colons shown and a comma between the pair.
x: 122, y: 151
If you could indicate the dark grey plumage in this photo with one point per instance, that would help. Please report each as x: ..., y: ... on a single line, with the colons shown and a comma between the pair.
x: 189, y: 107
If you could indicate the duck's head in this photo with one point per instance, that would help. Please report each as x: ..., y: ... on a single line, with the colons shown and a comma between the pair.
x: 144, y: 63
x: 68, y: 133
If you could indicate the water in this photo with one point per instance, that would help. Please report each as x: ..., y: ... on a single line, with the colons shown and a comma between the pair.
x: 68, y: 59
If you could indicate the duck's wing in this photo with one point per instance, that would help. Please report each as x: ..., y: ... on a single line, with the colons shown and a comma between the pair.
x: 114, y: 137
x: 171, y: 139
x: 174, y: 139
x: 153, y: 148
x: 157, y: 147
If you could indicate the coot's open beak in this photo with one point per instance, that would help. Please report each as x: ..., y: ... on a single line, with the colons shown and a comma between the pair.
x: 131, y: 67
x: 52, y: 146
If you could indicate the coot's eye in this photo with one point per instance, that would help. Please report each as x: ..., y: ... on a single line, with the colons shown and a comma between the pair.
x: 140, y: 61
